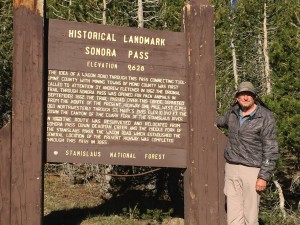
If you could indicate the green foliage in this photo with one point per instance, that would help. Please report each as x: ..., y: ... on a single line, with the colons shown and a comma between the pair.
x: 287, y: 113
x: 275, y: 216
x: 169, y: 15
x: 150, y: 214
x: 6, y: 27
x: 161, y: 15
x: 243, y: 24
x: 133, y: 213
x: 155, y: 214
x: 75, y: 10
x: 225, y: 84
x: 285, y: 63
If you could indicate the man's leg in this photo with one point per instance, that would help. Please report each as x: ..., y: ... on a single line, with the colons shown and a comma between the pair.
x: 233, y: 192
x: 251, y: 197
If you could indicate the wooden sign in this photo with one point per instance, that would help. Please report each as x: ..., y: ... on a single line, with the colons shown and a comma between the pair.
x: 116, y: 95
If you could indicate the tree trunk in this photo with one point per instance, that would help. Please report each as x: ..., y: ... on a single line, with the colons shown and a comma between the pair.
x: 140, y: 14
x: 69, y: 11
x: 281, y: 198
x: 267, y: 64
x: 104, y: 12
x: 234, y: 63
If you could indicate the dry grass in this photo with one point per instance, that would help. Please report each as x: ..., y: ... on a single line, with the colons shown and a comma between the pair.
x: 59, y: 194
x: 82, y: 204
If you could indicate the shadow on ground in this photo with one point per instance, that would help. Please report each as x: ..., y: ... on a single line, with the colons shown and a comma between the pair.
x: 113, y: 206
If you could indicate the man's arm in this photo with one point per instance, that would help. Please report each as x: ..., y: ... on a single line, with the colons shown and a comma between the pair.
x: 222, y: 121
x: 270, y: 149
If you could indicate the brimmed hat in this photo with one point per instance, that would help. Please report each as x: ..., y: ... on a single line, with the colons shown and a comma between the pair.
x: 246, y: 86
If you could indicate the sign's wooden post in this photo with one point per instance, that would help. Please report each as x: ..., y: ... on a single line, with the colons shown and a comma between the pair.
x: 204, y: 200
x: 27, y: 114
x: 5, y: 172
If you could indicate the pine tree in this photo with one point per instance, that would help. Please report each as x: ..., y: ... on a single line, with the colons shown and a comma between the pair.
x: 266, y: 35
x: 285, y: 64
x: 224, y: 65
x: 6, y: 27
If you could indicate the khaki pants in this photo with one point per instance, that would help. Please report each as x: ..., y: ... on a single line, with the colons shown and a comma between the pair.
x: 242, y: 198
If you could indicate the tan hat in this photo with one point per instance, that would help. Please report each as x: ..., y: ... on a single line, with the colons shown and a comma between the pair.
x: 246, y: 86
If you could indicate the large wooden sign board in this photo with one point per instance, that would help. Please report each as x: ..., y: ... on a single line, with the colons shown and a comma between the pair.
x: 116, y: 95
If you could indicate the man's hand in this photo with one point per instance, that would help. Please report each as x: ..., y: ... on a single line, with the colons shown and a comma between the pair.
x: 261, y: 184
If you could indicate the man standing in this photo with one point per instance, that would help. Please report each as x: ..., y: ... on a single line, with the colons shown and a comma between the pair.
x: 250, y: 154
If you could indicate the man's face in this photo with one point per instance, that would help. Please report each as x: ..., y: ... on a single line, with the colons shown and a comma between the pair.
x: 245, y: 99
